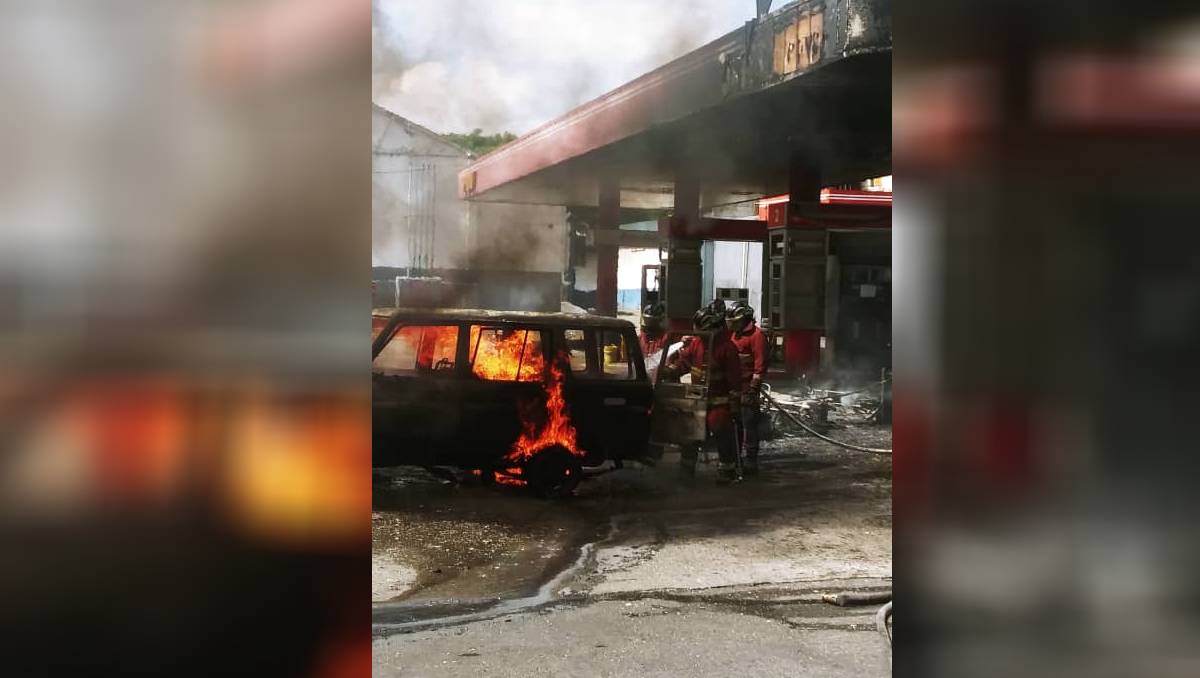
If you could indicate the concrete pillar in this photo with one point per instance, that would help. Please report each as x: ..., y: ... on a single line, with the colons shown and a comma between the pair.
x: 608, y: 221
x: 684, y: 276
x: 707, y: 270
x: 804, y: 185
x: 687, y: 200
x: 832, y: 293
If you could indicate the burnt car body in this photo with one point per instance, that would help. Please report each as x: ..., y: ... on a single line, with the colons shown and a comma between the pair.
x: 437, y: 401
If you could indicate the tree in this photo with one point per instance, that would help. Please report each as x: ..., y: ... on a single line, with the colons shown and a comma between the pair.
x: 477, y: 143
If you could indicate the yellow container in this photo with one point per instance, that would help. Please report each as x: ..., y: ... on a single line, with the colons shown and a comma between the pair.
x: 612, y: 354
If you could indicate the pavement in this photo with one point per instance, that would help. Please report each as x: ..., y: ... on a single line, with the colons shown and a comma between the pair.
x: 638, y: 574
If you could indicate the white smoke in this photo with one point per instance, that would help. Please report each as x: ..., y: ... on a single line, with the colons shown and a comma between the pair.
x: 510, y: 65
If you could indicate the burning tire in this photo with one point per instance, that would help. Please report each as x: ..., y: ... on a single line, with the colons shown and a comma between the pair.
x: 554, y: 472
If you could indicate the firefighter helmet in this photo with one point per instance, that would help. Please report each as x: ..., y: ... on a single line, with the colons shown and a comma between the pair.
x: 653, y: 316
x: 656, y: 310
x: 706, y: 319
x: 741, y: 311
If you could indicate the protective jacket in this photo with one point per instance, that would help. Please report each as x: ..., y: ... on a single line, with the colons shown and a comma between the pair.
x: 651, y: 345
x: 726, y: 373
x: 751, y: 346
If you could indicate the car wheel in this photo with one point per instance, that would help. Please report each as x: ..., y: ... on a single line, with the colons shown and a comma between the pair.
x: 553, y: 473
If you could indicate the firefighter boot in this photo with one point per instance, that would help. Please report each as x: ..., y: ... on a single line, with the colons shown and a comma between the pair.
x: 726, y: 473
x: 687, y: 465
x: 751, y: 416
x: 750, y: 463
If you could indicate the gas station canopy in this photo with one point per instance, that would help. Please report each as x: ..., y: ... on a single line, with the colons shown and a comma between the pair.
x: 812, y: 79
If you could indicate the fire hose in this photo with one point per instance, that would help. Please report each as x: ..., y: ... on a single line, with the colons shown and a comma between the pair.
x: 843, y: 394
x: 883, y: 621
x: 846, y: 598
x: 883, y: 617
x: 806, y: 427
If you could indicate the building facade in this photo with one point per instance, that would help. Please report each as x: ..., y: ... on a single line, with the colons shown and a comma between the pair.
x: 431, y: 247
x: 418, y: 224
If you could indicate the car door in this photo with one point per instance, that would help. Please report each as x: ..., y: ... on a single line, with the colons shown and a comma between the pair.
x: 503, y: 374
x: 680, y: 406
x: 628, y: 397
x: 609, y: 394
x: 576, y: 348
x: 415, y: 389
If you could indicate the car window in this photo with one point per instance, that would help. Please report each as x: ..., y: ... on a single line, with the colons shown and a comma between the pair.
x: 615, y: 360
x: 575, y: 346
x: 506, y: 354
x: 418, y: 348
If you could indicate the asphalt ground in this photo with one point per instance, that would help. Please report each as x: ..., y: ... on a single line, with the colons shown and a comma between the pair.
x: 639, y: 573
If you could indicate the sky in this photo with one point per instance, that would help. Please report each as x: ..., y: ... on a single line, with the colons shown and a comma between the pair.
x: 511, y: 65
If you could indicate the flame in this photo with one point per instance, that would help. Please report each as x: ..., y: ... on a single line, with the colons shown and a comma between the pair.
x: 557, y: 430
x: 516, y: 355
x: 510, y: 476
x: 536, y: 436
x: 431, y: 344
x: 437, y: 343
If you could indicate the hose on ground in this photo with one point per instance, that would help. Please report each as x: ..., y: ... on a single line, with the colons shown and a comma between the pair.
x: 846, y: 598
x: 883, y: 620
x: 842, y: 394
x: 822, y: 436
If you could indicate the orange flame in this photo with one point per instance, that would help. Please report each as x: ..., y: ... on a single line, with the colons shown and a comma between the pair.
x: 508, y: 357
x: 557, y: 430
x: 518, y: 355
x: 436, y: 344
x: 509, y: 476
x: 431, y: 344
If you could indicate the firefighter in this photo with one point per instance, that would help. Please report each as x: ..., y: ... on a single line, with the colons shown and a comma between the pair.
x: 654, y: 331
x: 724, y: 387
x: 751, y: 346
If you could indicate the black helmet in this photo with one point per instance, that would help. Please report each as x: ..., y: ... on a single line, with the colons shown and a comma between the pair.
x: 652, y: 318
x: 717, y: 306
x: 706, y: 319
x: 740, y: 311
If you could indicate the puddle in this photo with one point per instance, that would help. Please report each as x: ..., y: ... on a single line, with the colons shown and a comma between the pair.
x: 474, y: 550
x: 407, y: 618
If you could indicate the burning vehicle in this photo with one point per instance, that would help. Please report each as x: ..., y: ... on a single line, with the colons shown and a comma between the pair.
x: 518, y: 398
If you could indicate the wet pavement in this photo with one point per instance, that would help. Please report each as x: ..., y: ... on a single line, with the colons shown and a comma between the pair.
x: 639, y: 573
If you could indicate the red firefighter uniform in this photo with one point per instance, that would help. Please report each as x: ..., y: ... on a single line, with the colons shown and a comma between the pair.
x: 726, y: 377
x: 652, y: 345
x: 751, y: 346
x: 725, y: 383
